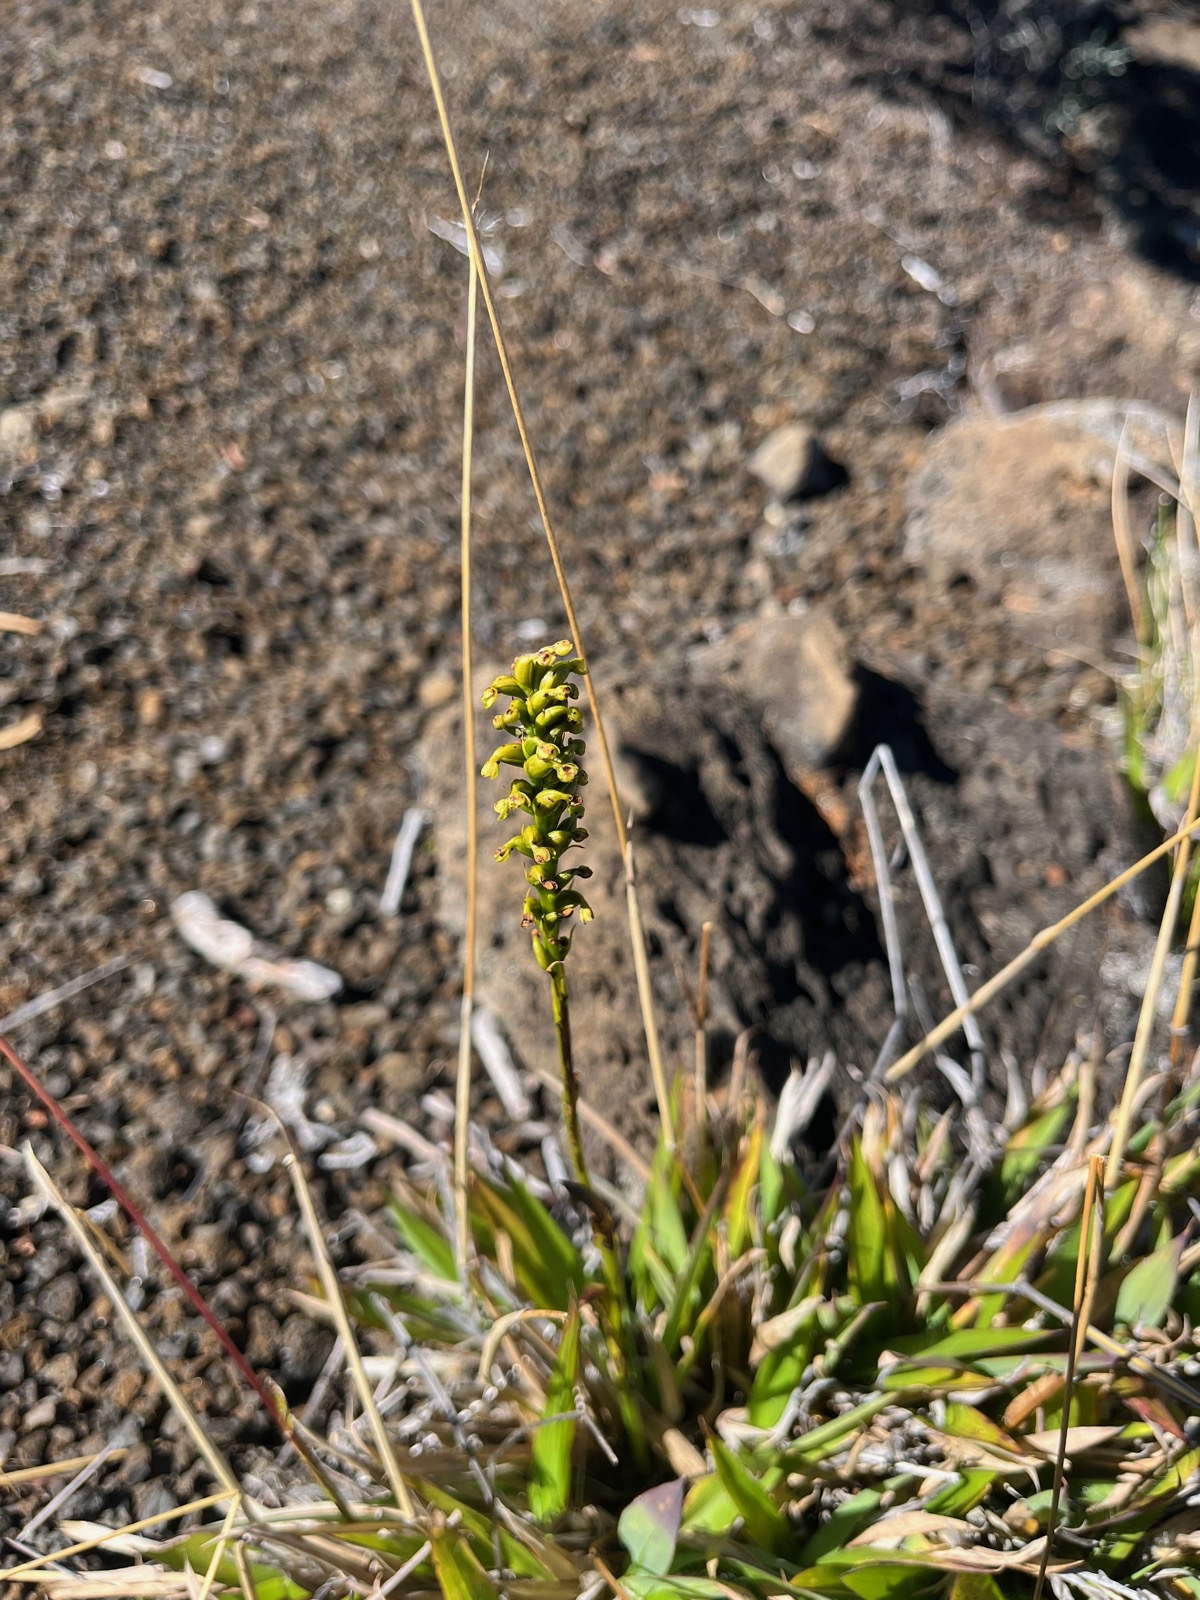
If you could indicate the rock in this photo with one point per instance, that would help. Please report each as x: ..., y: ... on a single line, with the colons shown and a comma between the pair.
x: 303, y: 1350
x: 799, y: 671
x: 1171, y: 41
x: 18, y: 441
x: 436, y: 689
x: 791, y: 464
x: 1138, y: 323
x: 18, y: 424
x: 59, y: 1299
x: 1020, y: 506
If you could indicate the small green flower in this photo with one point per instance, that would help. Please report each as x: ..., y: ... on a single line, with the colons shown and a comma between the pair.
x: 545, y: 747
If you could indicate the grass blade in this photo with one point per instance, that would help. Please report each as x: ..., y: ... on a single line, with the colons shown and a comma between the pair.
x: 216, y: 1462
x: 337, y: 1307
x: 554, y: 1440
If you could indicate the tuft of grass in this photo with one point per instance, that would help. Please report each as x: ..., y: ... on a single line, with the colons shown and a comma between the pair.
x: 742, y: 1382
x: 826, y: 1407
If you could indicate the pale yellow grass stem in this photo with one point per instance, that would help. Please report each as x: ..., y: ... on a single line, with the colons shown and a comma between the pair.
x: 1040, y: 942
x: 216, y: 1462
x: 83, y: 1546
x: 535, y: 478
x: 462, y: 1096
x: 337, y: 1307
x: 1148, y: 1014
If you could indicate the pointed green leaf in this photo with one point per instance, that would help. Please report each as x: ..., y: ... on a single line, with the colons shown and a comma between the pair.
x: 427, y: 1242
x: 1026, y: 1151
x: 649, y: 1526
x: 196, y: 1551
x: 845, y: 1523
x: 967, y: 1344
x: 764, y: 1522
x: 554, y: 1442
x: 650, y: 1586
x: 880, y: 1245
x: 813, y: 1447
x: 459, y: 1573
x: 975, y: 1586
x: 708, y: 1508
x: 547, y: 1265
x: 738, y: 1211
x: 969, y: 1490
x: 685, y: 1302
x: 659, y: 1246
x: 1148, y: 1288
x: 482, y: 1530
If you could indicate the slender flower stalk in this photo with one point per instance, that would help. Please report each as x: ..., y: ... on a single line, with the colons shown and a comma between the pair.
x: 544, y: 744
x: 543, y: 727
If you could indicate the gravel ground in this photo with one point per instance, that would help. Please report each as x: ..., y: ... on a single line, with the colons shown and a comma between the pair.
x: 231, y: 338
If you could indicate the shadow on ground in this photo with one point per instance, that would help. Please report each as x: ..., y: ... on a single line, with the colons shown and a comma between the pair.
x: 1105, y: 96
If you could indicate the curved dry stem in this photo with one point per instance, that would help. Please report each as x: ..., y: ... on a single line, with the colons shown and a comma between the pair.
x: 205, y: 1446
x: 462, y: 1093
x: 535, y: 478
x: 1040, y: 941
x: 1149, y: 1008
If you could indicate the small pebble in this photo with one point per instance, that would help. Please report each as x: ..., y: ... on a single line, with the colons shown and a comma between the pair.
x: 213, y: 749
x: 435, y: 690
x: 59, y: 1299
x: 42, y: 1414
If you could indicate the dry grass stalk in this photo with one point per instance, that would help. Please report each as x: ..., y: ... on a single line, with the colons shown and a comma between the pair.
x: 153, y: 1362
x: 462, y: 1093
x: 337, y: 1306
x: 637, y: 938
x: 1040, y: 942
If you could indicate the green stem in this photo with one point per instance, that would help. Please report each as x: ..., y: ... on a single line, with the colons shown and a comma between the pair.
x: 618, y: 1328
x: 566, y: 1061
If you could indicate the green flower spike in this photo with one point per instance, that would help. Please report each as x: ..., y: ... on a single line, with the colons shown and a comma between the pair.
x: 545, y: 748
x: 542, y: 727
x: 549, y: 754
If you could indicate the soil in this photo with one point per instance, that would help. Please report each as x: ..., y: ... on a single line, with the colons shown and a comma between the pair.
x: 231, y: 341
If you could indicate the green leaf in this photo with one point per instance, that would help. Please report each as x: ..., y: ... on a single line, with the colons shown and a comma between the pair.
x: 649, y: 1526
x: 196, y: 1551
x: 708, y: 1508
x: 659, y: 1246
x: 970, y: 1490
x: 774, y: 1189
x: 738, y: 1211
x: 554, y: 1442
x: 780, y: 1371
x: 1026, y: 1152
x: 870, y: 1574
x: 547, y: 1265
x: 427, y: 1242
x: 459, y: 1573
x: 975, y: 1586
x: 1008, y: 1263
x: 1148, y: 1289
x: 825, y: 1440
x: 764, y: 1522
x: 483, y: 1529
x: 427, y: 1321
x: 685, y: 1302
x: 794, y: 1337
x: 651, y: 1586
x: 880, y: 1245
x: 968, y: 1344
x: 846, y: 1522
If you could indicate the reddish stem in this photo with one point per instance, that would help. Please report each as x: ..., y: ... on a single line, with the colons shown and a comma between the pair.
x: 139, y: 1221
